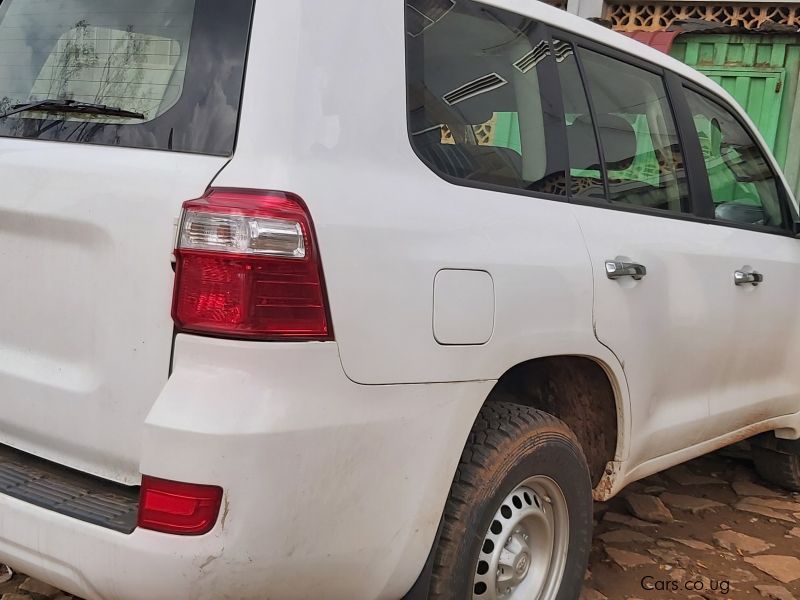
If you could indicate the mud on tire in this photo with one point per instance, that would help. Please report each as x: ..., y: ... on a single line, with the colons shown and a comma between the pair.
x: 509, y: 444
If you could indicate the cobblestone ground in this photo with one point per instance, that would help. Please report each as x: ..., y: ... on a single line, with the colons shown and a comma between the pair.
x: 709, y: 529
x: 704, y: 530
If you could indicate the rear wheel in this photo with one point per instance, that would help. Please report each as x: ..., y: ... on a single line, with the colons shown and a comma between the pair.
x: 777, y: 461
x: 518, y: 522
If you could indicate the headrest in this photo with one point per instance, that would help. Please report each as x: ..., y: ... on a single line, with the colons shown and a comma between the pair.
x: 618, y: 139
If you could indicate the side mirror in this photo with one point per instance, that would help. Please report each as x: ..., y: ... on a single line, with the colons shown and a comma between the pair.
x: 736, y: 212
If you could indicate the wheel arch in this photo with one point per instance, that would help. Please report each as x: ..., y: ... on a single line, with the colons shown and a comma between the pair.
x: 585, y: 393
x: 514, y: 385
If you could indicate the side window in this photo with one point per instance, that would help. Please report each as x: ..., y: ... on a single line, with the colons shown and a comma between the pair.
x: 479, y: 88
x: 639, y: 140
x: 586, y: 172
x: 743, y: 187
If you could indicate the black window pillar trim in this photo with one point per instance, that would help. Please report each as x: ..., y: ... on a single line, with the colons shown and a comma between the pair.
x: 554, y: 94
x: 693, y: 160
x: 593, y: 113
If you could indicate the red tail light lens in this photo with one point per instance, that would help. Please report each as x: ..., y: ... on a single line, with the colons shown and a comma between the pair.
x: 178, y: 508
x: 248, y: 266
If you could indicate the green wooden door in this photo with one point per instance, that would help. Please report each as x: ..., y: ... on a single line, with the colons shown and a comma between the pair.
x: 759, y: 91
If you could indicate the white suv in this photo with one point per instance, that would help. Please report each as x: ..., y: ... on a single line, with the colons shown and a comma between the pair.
x: 452, y: 268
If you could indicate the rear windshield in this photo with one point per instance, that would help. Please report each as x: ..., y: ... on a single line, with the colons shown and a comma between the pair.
x: 178, y: 64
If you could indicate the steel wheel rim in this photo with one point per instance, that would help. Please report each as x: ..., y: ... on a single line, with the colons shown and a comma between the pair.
x: 524, y: 551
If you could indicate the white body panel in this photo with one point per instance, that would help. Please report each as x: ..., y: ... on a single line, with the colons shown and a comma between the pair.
x: 385, y: 233
x: 336, y: 458
x: 740, y: 339
x: 331, y: 488
x: 85, y: 240
x: 758, y: 378
x: 649, y: 323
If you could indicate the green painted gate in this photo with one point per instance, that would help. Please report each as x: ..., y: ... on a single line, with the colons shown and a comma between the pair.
x: 761, y: 72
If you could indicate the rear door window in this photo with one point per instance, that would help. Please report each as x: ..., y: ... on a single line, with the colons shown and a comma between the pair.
x: 482, y: 107
x: 638, y: 136
x: 586, y: 172
x: 178, y: 63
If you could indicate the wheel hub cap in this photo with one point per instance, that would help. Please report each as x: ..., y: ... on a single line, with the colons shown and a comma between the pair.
x: 524, y: 552
x: 521, y: 566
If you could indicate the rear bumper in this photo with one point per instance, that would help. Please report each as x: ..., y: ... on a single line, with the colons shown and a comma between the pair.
x: 332, y: 489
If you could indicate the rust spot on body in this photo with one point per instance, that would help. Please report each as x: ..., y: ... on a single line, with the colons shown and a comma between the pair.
x: 604, y: 490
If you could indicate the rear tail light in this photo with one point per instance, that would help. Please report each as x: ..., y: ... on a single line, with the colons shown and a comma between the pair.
x: 247, y: 266
x: 178, y: 508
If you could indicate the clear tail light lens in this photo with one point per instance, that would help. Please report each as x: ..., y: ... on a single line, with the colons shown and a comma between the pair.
x: 247, y: 266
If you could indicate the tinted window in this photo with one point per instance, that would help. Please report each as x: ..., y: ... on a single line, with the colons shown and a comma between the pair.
x: 480, y: 96
x: 639, y: 141
x: 743, y: 186
x: 586, y: 176
x: 179, y: 63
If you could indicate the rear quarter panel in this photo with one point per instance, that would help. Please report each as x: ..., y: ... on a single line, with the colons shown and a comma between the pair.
x: 324, y: 116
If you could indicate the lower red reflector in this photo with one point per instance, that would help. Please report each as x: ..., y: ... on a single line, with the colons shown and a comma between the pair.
x: 178, y: 508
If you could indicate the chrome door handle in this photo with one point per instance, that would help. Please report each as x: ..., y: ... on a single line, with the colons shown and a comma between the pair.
x: 744, y: 277
x: 616, y: 269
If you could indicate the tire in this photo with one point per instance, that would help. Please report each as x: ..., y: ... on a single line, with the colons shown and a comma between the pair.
x: 777, y: 461
x: 510, y: 445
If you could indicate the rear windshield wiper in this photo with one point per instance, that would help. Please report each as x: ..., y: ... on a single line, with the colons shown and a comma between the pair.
x: 72, y: 106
